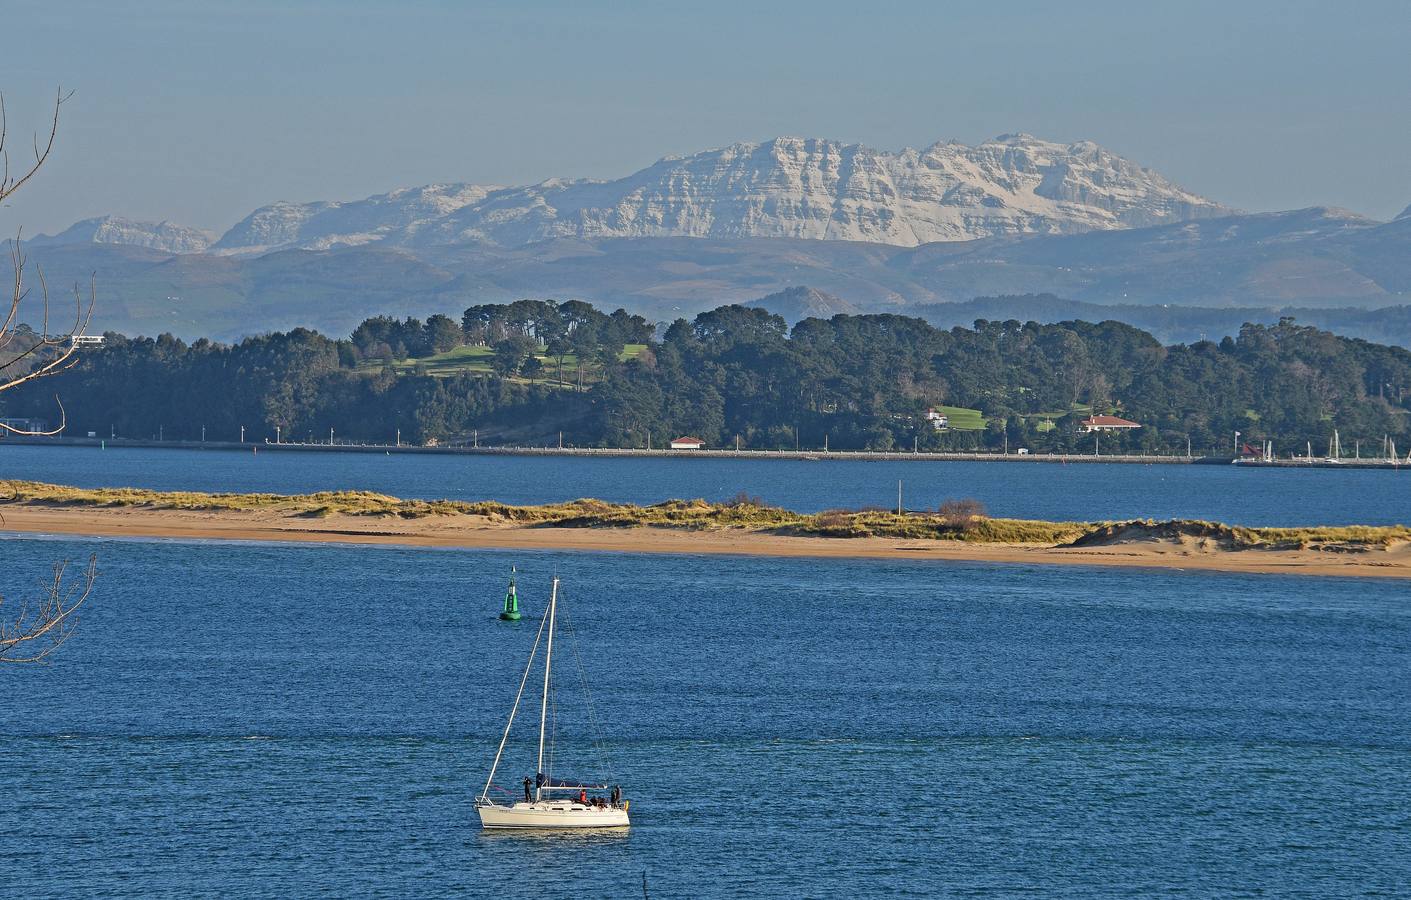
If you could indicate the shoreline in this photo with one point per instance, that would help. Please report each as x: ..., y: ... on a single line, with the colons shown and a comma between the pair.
x: 719, y: 453
x: 622, y: 452
x: 476, y: 532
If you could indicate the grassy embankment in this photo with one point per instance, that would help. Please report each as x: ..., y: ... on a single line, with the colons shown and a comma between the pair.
x: 965, y: 419
x: 481, y: 360
x: 962, y: 418
x: 745, y: 515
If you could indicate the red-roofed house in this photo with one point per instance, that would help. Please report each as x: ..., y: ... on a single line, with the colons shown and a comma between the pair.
x: 687, y: 443
x: 1106, y: 423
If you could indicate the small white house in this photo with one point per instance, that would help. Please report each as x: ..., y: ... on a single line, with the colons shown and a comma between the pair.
x: 687, y: 443
x: 938, y: 421
x: 1106, y: 423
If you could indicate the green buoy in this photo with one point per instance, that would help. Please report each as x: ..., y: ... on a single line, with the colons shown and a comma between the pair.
x: 511, y: 610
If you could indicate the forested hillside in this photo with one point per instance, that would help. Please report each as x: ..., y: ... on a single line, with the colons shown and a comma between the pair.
x: 525, y: 372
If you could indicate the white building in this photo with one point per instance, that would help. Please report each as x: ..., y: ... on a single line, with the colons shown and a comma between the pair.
x: 1106, y: 423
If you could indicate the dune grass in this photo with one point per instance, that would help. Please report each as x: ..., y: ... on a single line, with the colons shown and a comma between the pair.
x: 740, y: 514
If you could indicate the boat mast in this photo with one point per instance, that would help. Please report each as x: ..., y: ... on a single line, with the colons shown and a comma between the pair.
x: 544, y: 704
x: 524, y: 679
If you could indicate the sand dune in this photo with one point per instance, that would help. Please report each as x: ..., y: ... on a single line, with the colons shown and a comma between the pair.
x: 1125, y: 546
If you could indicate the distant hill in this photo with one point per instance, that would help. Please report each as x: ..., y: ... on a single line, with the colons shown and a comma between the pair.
x: 798, y: 303
x: 1304, y: 258
x: 1175, y: 324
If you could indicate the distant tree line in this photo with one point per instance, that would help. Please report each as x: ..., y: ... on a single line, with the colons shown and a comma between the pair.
x: 527, y: 336
x: 1174, y: 323
x: 741, y: 375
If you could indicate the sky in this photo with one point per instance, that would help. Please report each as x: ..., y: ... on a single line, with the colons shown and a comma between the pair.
x: 198, y: 113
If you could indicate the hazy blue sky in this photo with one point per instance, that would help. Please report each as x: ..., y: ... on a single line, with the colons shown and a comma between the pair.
x: 200, y: 112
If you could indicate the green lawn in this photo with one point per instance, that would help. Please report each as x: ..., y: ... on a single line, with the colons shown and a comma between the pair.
x: 962, y: 419
x: 461, y: 359
x: 481, y: 359
x: 1046, y: 419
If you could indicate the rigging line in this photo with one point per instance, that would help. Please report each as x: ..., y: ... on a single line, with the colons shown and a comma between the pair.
x: 485, y: 794
x: 598, y: 744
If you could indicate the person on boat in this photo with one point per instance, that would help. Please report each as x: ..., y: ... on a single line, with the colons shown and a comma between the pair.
x: 616, y: 796
x: 527, y: 783
x: 583, y: 797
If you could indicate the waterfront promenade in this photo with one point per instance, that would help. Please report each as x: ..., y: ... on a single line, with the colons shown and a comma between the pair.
x: 810, y: 455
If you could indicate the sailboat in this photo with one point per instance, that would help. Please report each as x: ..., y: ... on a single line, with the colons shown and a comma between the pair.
x: 549, y: 803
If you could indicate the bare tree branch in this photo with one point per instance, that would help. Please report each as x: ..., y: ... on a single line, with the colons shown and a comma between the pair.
x: 39, y: 627
x: 42, y: 626
x: 8, y: 184
x: 51, y: 353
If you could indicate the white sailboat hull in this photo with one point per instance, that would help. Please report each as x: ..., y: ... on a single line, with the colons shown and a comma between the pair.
x: 551, y: 814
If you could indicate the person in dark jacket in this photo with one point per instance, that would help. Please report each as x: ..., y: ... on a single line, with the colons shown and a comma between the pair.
x: 527, y: 797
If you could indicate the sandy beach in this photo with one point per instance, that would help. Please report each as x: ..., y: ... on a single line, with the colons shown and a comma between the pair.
x: 477, y: 532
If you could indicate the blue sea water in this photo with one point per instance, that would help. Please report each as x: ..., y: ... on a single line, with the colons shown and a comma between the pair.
x: 301, y: 720
x: 1021, y: 490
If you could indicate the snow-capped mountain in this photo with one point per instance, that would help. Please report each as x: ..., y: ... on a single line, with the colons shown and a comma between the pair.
x: 318, y: 226
x: 786, y: 187
x: 117, y: 230
x: 1405, y: 213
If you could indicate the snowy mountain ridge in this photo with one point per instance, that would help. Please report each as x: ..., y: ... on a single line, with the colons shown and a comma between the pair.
x: 117, y: 230
x: 785, y: 187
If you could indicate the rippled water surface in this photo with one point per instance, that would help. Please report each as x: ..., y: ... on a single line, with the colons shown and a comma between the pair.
x: 1024, y: 490
x: 285, y: 720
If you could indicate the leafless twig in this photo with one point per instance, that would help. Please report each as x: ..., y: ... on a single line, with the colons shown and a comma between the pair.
x: 41, y: 626
x: 50, y: 354
x: 8, y: 183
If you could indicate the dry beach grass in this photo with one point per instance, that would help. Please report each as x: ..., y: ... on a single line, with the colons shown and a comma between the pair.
x: 743, y: 526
